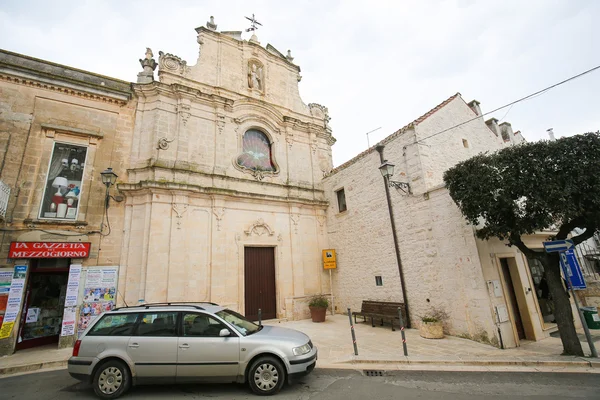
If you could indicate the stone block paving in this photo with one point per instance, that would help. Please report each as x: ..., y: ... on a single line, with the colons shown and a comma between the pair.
x: 381, y: 344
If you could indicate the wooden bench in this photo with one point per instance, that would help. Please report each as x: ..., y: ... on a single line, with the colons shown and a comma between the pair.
x: 382, y: 311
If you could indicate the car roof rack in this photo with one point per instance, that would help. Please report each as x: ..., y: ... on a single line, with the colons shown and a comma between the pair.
x: 194, y: 304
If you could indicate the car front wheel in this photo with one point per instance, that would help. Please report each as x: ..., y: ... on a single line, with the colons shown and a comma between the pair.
x: 266, y: 376
x: 111, y: 379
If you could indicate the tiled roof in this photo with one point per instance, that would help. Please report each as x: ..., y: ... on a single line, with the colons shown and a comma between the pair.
x: 395, y: 134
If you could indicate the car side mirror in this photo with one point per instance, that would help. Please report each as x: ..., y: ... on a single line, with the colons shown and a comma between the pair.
x: 224, y: 333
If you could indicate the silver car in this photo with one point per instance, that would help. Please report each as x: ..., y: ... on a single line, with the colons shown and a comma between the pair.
x: 179, y: 343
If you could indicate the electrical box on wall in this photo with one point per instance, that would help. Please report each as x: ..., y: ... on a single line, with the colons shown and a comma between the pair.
x: 502, y: 313
x: 497, y: 288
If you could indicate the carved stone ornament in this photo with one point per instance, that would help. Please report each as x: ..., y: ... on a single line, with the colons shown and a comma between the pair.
x: 149, y: 65
x: 179, y: 209
x: 163, y: 143
x: 321, y: 112
x: 171, y: 63
x: 256, y: 76
x: 220, y: 122
x: 295, y: 219
x: 184, y: 111
x: 259, y: 228
x: 219, y: 213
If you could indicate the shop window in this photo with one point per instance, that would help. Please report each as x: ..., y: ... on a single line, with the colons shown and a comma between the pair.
x: 341, y: 198
x: 62, y: 189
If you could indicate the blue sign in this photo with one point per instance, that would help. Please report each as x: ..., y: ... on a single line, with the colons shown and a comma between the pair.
x: 558, y: 245
x: 572, y: 269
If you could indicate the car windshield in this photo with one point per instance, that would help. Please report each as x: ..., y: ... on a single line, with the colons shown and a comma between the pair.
x: 239, y: 322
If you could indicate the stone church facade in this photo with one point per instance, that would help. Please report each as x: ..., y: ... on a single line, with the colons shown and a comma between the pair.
x: 224, y: 193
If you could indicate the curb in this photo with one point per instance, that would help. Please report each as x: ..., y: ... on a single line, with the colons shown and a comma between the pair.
x: 582, y: 363
x: 5, y: 371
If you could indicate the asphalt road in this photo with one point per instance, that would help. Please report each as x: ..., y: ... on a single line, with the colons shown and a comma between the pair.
x: 338, y: 384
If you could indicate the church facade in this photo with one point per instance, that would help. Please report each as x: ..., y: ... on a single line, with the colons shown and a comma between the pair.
x: 224, y: 199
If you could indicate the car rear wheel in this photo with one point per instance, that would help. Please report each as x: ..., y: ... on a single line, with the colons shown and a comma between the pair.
x: 112, y: 379
x: 266, y: 376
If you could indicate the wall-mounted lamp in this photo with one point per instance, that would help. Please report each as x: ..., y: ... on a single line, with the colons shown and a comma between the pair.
x: 387, y: 171
x: 109, y: 178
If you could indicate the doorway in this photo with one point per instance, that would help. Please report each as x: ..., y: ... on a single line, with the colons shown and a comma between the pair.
x: 42, y: 313
x: 511, y: 296
x: 259, y: 282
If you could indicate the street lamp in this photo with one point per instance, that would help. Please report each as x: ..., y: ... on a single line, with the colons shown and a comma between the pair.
x: 109, y: 178
x: 387, y: 170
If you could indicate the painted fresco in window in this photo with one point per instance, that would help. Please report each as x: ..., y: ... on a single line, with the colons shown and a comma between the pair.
x: 256, y: 152
x: 63, y: 182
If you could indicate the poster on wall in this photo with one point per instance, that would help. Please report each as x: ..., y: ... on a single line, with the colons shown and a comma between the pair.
x: 13, y: 303
x: 99, y: 294
x: 73, y: 285
x: 5, y: 281
x: 68, y: 322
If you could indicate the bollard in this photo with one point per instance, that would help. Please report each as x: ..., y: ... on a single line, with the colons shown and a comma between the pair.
x: 259, y: 317
x: 352, y: 331
x: 402, y: 331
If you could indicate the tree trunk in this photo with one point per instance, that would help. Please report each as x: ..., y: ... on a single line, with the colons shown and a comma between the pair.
x: 562, y: 306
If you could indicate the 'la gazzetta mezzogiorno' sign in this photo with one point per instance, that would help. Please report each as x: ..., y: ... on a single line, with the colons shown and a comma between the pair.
x: 48, y: 250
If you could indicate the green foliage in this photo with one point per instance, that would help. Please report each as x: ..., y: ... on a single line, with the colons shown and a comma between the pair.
x: 319, y: 301
x: 530, y: 187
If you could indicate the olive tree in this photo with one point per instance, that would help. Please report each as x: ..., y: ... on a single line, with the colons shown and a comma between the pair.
x: 528, y: 188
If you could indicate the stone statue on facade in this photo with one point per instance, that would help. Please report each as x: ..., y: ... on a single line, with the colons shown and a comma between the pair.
x: 255, y: 76
x: 149, y: 65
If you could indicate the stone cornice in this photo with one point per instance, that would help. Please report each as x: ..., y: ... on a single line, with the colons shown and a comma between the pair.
x: 31, y: 71
x: 150, y: 186
x: 40, y: 84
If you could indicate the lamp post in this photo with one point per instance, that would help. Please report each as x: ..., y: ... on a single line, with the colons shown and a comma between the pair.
x: 108, y: 178
x: 387, y: 170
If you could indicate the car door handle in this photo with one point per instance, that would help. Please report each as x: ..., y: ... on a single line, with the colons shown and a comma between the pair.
x: 184, y: 346
x: 134, y: 345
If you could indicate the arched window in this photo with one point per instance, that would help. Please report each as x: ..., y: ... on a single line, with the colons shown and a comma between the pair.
x: 256, y: 152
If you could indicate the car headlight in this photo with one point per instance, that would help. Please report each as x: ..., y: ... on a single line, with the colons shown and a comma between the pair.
x: 298, y: 351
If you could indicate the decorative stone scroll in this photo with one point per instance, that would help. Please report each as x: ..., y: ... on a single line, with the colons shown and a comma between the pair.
x: 259, y: 228
x: 171, y: 63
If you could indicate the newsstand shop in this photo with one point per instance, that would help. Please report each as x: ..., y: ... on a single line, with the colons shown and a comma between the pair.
x: 48, y: 296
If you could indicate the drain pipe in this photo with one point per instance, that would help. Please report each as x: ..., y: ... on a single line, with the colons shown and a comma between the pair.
x: 379, y: 149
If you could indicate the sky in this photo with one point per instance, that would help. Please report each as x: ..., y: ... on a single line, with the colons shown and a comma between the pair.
x: 374, y: 64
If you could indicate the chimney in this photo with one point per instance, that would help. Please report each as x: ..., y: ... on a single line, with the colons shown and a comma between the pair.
x: 551, y: 134
x: 492, y: 123
x: 475, y: 107
x: 506, y: 131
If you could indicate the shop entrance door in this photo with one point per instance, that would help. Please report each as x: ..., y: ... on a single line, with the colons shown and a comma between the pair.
x: 42, y: 313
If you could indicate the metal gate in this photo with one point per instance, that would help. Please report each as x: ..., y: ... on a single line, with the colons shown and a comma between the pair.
x: 259, y: 282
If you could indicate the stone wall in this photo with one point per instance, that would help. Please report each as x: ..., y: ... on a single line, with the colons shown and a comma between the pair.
x: 439, y: 252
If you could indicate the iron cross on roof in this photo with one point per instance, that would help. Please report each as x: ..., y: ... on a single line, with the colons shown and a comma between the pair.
x: 253, y: 24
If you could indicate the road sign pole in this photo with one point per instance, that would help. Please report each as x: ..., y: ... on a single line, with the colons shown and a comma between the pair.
x: 331, y: 289
x: 588, y: 336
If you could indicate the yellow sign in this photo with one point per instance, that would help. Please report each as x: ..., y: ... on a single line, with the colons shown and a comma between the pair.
x: 329, y: 260
x: 6, y: 329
